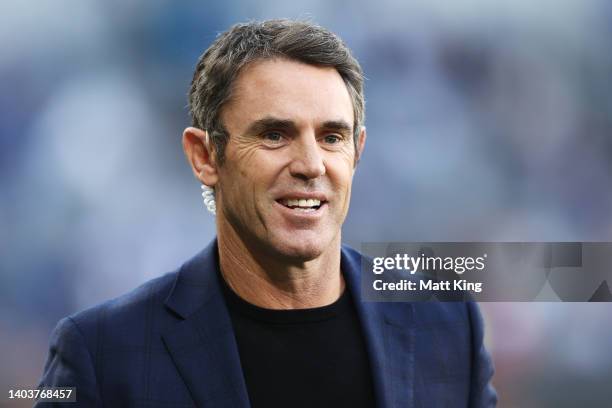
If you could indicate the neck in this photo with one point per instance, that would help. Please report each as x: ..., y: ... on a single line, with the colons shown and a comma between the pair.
x: 273, y: 282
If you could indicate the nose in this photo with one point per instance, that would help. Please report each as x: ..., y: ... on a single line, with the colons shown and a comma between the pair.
x: 307, y: 161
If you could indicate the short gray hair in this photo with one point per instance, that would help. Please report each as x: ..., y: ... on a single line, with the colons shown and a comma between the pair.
x: 302, y: 41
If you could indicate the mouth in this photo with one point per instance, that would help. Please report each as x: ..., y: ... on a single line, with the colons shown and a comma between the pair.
x: 302, y: 205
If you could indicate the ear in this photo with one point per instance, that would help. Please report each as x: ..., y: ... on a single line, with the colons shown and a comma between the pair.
x: 360, y: 144
x: 200, y: 155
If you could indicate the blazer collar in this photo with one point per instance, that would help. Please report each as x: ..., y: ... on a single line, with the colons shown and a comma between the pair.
x: 203, y: 346
x: 197, y: 282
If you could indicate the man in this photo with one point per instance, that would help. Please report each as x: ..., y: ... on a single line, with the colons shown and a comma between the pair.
x: 270, y: 313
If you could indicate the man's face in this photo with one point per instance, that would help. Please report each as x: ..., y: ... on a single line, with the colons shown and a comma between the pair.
x: 285, y: 184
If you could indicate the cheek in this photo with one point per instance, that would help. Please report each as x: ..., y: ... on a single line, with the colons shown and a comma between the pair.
x: 241, y: 161
x: 340, y: 171
x: 245, y: 181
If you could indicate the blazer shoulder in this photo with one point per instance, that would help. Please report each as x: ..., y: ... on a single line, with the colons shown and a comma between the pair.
x: 127, y: 309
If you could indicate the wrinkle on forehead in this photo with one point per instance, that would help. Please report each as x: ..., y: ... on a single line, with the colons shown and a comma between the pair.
x: 288, y: 89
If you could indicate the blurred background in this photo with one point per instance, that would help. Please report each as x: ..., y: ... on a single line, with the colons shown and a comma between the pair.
x: 487, y: 121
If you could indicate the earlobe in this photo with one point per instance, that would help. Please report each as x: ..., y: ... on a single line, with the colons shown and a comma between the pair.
x: 200, y: 155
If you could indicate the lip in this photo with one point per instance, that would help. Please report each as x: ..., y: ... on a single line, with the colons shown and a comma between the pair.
x: 301, y: 216
x: 303, y: 196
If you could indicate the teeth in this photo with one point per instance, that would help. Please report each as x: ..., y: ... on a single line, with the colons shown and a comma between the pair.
x: 302, y: 202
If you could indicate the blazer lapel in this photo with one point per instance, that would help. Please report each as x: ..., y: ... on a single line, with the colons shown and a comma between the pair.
x: 389, y: 334
x: 203, y: 346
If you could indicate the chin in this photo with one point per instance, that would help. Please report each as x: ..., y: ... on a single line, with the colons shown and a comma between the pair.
x: 300, y: 248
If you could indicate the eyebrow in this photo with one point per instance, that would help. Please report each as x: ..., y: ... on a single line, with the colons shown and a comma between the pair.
x: 338, y: 125
x: 270, y: 122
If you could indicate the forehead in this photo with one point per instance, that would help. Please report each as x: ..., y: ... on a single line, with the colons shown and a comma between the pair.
x: 287, y: 89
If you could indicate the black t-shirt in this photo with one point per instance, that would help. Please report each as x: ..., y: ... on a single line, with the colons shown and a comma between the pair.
x: 302, y: 357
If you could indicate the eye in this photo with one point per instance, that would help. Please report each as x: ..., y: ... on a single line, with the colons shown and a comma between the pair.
x: 272, y: 137
x: 332, y: 139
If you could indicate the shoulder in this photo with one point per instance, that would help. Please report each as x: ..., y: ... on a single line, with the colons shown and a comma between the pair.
x: 124, y: 314
x: 133, y: 319
x: 154, y: 290
x: 80, y: 342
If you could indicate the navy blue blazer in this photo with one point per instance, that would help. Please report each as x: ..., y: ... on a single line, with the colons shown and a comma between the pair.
x: 170, y: 343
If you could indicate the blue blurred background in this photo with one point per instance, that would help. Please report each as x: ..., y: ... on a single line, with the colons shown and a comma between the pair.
x: 487, y: 121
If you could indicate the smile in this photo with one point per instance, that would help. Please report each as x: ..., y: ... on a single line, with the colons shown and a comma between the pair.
x: 300, y: 204
x: 302, y: 209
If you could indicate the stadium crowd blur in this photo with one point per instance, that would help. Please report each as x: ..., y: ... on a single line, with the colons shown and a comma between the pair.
x: 487, y: 121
